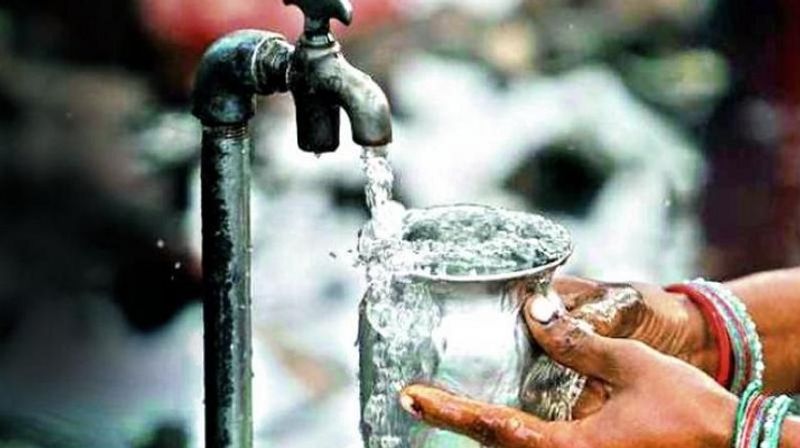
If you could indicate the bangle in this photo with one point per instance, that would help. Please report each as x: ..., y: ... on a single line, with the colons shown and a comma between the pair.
x: 729, y: 323
x: 773, y: 423
x: 750, y: 394
x: 717, y: 326
x: 754, y: 434
x: 753, y: 366
x: 759, y: 418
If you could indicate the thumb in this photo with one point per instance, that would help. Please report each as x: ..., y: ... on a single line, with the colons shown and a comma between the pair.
x: 573, y: 343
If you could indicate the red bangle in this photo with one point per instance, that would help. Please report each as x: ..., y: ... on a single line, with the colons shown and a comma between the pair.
x: 740, y: 329
x: 715, y: 321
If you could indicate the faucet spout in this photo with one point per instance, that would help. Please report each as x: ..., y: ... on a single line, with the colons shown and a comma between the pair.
x: 365, y: 104
x: 322, y: 81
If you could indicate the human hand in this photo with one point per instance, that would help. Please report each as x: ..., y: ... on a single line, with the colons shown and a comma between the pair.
x: 668, y: 322
x: 653, y: 400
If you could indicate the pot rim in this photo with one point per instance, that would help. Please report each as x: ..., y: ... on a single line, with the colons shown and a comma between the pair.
x: 502, y: 276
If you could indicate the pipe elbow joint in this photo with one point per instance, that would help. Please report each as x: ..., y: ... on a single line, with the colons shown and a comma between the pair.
x: 236, y: 68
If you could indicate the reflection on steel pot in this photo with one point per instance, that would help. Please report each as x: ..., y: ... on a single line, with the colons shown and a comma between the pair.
x: 464, y: 333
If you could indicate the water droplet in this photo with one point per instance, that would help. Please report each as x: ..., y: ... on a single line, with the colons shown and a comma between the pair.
x: 177, y: 265
x: 160, y: 243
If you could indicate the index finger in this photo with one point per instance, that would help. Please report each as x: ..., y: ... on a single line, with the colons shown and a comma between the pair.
x: 575, y: 291
x: 489, y: 424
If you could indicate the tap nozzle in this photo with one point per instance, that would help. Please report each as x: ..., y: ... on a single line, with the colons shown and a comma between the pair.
x: 323, y: 82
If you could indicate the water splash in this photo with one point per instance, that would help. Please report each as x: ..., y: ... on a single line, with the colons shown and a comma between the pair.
x: 387, y: 214
x: 401, y: 314
x: 451, y: 240
x: 398, y: 244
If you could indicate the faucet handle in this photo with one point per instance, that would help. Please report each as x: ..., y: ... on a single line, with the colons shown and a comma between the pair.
x: 318, y: 14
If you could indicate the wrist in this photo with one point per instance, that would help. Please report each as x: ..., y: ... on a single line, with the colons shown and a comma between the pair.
x: 739, y: 351
x: 721, y: 429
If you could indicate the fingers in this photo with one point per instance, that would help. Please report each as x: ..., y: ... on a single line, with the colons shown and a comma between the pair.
x: 491, y: 425
x: 573, y: 343
x: 612, y: 309
x: 576, y: 291
x: 617, y: 313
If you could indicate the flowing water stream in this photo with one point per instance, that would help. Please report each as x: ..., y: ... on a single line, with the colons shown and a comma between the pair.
x: 389, y: 317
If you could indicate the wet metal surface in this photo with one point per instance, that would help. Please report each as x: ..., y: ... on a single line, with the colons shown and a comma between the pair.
x: 480, y: 348
x: 226, y: 302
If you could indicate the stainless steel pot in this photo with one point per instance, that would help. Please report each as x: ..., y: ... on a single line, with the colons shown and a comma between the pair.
x: 477, y: 345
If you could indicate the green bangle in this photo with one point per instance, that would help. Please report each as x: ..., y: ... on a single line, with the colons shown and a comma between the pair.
x: 754, y: 342
x: 773, y: 423
x: 758, y: 430
x: 745, y: 344
x: 751, y: 391
x: 739, y: 379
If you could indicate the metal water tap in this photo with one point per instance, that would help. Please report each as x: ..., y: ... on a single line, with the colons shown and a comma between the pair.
x: 250, y: 62
x: 233, y: 71
x: 321, y: 81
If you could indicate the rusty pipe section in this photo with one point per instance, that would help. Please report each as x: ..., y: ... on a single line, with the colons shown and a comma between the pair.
x: 233, y: 71
x: 226, y: 286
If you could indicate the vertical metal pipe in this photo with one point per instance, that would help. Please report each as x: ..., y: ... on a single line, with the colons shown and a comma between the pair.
x: 226, y: 302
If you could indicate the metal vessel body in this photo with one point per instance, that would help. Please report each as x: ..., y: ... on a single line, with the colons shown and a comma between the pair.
x: 479, y: 347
